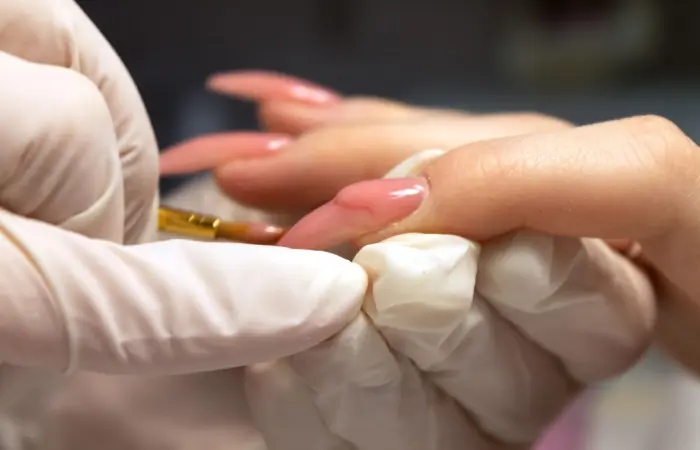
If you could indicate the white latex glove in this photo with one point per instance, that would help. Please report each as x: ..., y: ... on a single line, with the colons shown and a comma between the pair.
x: 459, y: 347
x: 79, y: 157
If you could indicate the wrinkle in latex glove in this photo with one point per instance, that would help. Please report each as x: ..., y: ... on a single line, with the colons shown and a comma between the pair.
x: 460, y: 346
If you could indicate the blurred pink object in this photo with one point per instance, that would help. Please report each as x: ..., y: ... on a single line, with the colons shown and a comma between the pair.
x: 569, y: 432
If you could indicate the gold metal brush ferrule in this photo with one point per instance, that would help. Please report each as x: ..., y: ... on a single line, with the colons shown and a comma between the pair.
x: 188, y: 223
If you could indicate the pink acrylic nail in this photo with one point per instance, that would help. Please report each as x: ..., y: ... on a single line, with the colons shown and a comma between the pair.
x: 357, y: 210
x: 264, y: 86
x: 208, y: 152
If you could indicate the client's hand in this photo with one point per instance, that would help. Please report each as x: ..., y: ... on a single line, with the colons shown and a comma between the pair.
x: 510, y: 331
x: 319, y: 142
x: 634, y: 179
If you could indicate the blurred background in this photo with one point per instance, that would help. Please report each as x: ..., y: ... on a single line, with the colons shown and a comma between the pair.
x: 584, y: 60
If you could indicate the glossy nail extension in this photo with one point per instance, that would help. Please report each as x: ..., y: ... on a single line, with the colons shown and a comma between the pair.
x: 261, y: 86
x: 357, y: 210
x: 208, y: 152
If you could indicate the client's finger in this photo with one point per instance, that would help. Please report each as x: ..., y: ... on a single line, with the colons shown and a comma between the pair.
x: 314, y: 168
x: 633, y: 179
x: 621, y: 179
x: 292, y: 105
x: 362, y: 139
x: 286, y: 105
x: 213, y: 150
x: 297, y: 117
x: 218, y: 149
x: 258, y: 86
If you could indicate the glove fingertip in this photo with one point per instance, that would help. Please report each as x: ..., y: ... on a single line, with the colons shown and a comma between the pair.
x: 342, y: 299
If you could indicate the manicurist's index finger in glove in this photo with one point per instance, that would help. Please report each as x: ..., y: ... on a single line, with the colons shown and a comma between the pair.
x: 164, y: 308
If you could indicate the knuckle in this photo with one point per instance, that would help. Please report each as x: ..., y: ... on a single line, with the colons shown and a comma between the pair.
x: 35, y: 31
x: 348, y: 140
x: 332, y: 138
x: 475, y: 165
x: 60, y: 138
x: 654, y: 125
x: 468, y: 196
x: 663, y: 143
x: 376, y: 108
x: 669, y: 162
x: 54, y: 107
x: 76, y: 104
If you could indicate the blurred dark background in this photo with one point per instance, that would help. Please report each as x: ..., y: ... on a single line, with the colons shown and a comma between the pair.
x: 585, y: 60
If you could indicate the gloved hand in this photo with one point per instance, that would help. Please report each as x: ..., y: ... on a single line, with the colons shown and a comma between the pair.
x: 77, y: 179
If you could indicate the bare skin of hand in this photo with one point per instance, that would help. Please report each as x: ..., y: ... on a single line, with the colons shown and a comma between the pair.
x: 634, y: 179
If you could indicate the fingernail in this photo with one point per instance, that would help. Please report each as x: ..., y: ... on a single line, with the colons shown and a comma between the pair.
x: 211, y: 151
x: 311, y: 94
x: 357, y: 210
x: 257, y: 86
x: 233, y: 164
x: 275, y: 144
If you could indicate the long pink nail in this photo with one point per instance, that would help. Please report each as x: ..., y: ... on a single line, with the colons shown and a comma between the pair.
x: 259, y: 85
x: 214, y: 150
x: 357, y: 210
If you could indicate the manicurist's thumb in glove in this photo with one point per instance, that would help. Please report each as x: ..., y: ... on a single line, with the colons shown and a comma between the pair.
x: 78, y: 180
